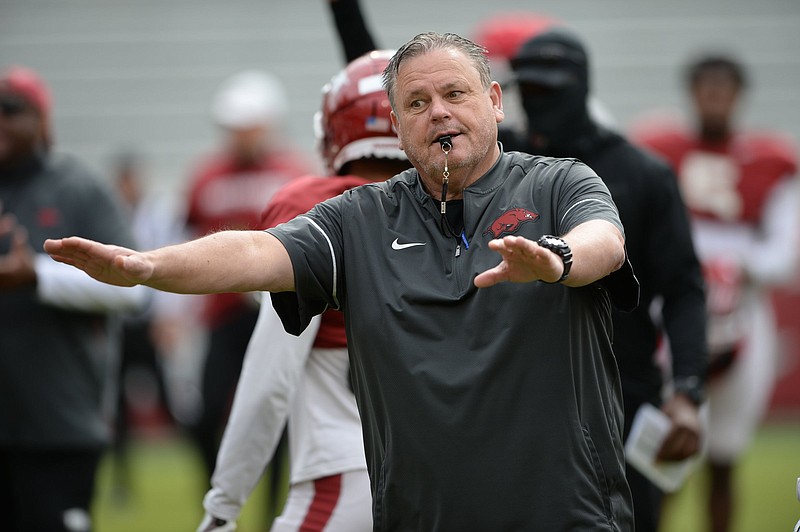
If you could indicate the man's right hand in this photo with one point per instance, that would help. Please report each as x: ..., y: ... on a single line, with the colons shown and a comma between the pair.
x: 215, y: 524
x: 684, y: 437
x: 114, y: 265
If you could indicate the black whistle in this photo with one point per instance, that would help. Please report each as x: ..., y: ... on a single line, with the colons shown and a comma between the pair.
x: 446, y: 142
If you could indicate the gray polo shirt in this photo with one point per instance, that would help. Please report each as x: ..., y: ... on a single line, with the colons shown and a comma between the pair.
x: 483, y: 409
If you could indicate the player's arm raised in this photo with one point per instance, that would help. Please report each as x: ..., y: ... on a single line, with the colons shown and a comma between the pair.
x: 227, y: 261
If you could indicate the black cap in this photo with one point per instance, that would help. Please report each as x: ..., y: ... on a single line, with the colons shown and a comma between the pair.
x: 553, y: 58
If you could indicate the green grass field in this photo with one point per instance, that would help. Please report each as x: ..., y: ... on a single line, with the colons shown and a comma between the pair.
x: 766, y: 483
x: 166, y: 490
x: 165, y: 494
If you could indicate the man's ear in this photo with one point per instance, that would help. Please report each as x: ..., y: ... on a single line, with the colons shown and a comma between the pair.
x: 496, y: 94
x: 396, y: 127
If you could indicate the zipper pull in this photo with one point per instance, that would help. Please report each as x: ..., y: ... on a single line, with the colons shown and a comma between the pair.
x: 458, y: 250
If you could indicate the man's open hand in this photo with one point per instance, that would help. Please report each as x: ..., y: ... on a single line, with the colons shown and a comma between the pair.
x: 523, y: 261
x: 110, y: 264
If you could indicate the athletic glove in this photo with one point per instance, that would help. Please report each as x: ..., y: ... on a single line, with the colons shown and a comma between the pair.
x: 215, y: 524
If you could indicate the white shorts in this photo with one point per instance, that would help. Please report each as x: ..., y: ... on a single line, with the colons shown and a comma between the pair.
x: 738, y: 398
x: 338, y: 503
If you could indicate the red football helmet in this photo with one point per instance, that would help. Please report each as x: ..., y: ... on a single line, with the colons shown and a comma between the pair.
x: 504, y: 33
x: 354, y: 120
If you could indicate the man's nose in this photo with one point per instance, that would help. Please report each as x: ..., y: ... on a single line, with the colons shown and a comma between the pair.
x: 440, y: 109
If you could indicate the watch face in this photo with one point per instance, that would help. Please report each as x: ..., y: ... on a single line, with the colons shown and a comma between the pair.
x: 560, y: 248
x: 554, y: 242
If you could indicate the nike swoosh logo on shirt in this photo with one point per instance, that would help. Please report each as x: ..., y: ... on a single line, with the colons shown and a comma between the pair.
x: 398, y: 245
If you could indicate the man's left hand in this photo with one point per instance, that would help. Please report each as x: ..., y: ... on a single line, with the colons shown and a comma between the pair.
x: 523, y: 261
x: 683, y: 439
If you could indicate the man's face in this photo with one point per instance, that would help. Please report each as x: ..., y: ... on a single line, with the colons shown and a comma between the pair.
x: 247, y: 145
x: 20, y: 128
x: 546, y: 108
x: 440, y: 93
x: 715, y: 95
x: 555, y: 110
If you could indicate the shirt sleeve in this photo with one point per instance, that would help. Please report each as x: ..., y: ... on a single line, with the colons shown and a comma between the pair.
x: 273, y: 366
x: 676, y: 274
x: 314, y: 244
x: 63, y: 286
x: 583, y: 196
x: 774, y: 257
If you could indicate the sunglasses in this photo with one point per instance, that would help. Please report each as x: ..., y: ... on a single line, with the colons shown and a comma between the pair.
x: 12, y: 106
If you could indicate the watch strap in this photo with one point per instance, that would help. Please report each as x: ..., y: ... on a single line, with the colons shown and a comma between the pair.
x: 560, y: 247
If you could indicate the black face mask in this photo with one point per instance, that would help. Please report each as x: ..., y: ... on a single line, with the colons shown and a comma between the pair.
x: 558, y: 115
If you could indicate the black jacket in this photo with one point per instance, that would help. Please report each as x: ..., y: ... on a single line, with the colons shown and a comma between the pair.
x: 661, y: 250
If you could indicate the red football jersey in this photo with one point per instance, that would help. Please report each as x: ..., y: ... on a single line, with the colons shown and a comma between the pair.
x: 224, y: 195
x: 297, y: 198
x: 728, y: 180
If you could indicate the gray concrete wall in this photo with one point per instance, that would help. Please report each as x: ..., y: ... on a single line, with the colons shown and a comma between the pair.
x: 142, y: 73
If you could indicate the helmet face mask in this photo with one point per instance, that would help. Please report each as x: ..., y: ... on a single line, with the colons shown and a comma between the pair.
x: 354, y: 121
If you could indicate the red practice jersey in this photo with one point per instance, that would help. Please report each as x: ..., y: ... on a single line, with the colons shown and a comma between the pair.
x: 226, y: 196
x: 297, y: 198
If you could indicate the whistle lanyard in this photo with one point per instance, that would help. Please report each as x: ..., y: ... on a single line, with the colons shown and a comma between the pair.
x: 446, y: 147
x: 447, y: 229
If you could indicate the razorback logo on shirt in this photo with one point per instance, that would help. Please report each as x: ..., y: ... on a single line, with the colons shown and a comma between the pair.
x: 48, y: 217
x: 509, y: 222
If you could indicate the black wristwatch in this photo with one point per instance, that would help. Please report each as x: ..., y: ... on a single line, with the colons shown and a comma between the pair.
x: 561, y: 248
x: 691, y: 387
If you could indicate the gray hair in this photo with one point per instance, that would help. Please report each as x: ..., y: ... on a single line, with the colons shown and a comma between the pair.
x: 427, y: 42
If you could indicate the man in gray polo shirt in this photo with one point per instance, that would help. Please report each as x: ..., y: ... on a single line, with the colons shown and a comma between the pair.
x: 486, y: 404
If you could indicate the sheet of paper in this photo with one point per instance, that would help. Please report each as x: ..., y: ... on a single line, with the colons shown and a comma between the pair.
x: 650, y: 427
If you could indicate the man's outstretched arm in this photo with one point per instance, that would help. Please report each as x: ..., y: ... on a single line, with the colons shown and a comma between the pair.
x: 228, y: 261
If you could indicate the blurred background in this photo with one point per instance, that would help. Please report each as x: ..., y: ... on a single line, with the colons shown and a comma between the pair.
x: 139, y: 76
x: 143, y: 73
